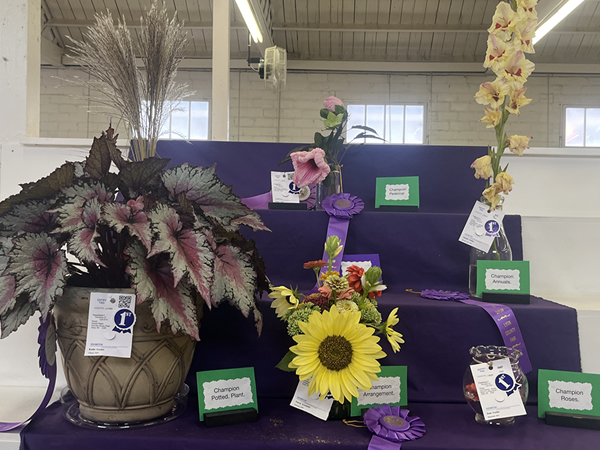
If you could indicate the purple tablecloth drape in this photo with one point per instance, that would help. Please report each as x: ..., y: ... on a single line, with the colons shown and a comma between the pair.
x: 446, y: 179
x: 449, y: 427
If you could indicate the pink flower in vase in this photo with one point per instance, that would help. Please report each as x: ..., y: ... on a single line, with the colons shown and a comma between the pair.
x: 309, y: 167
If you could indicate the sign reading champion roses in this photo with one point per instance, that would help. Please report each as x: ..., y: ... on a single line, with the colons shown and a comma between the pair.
x: 568, y: 392
x: 226, y: 390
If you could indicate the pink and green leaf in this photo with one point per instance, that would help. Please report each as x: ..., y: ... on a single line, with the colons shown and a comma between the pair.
x: 202, y: 186
x: 28, y: 217
x: 154, y: 282
x: 120, y: 216
x: 83, y: 240
x: 20, y: 313
x: 235, y: 281
x: 189, y: 250
x: 40, y: 269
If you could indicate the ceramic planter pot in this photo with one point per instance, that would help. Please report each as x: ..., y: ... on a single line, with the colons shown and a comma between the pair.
x: 121, y: 390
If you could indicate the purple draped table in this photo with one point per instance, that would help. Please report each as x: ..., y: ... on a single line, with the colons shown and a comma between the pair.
x: 449, y: 427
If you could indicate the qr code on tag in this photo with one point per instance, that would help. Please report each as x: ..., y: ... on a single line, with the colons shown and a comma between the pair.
x: 124, y: 301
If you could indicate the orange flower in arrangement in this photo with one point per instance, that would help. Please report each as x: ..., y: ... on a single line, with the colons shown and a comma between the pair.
x: 315, y: 264
x: 374, y: 294
x: 355, y: 274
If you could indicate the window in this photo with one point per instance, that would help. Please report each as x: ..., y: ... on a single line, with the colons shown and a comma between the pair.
x: 582, y: 127
x: 397, y: 124
x: 190, y: 120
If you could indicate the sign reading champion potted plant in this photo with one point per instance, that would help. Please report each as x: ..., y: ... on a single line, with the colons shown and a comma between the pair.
x: 170, y: 234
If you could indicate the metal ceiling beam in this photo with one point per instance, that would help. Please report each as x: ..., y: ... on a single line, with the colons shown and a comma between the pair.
x: 76, y: 23
x: 347, y: 27
x: 51, y: 53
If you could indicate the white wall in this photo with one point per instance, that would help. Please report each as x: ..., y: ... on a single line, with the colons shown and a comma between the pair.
x: 257, y: 114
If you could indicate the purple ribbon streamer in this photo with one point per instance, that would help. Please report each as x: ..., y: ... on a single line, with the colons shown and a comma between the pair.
x: 378, y: 443
x: 49, y: 371
x: 258, y: 201
x: 507, y: 324
x: 337, y: 227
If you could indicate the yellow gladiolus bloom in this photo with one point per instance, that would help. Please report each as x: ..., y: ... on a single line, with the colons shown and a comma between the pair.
x: 492, y: 117
x: 337, y: 353
x: 394, y: 338
x: 517, y: 68
x: 524, y: 32
x: 518, y: 144
x: 284, y: 300
x: 496, y: 54
x: 502, y: 22
x: 492, y: 195
x: 492, y: 93
x: 483, y: 167
x: 504, y: 182
x: 517, y: 99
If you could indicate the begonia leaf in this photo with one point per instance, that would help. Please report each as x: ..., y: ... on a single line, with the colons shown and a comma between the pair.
x: 40, y: 268
x: 202, y: 186
x: 190, y: 252
x: 44, y: 188
x: 138, y: 176
x: 121, y: 216
x: 97, y: 164
x: 28, y: 217
x: 154, y: 282
x: 19, y: 314
x: 235, y: 281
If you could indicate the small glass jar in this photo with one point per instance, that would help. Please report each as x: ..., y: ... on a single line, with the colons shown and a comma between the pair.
x: 487, y: 354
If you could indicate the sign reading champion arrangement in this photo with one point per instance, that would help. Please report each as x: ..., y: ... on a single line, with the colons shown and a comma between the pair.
x: 389, y: 389
x: 110, y: 324
x: 225, y: 390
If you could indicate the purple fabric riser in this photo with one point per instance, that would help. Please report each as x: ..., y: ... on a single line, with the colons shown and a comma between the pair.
x: 438, y: 337
x: 446, y: 179
x: 449, y: 427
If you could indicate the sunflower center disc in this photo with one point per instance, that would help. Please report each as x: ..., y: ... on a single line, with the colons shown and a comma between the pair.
x: 335, y: 352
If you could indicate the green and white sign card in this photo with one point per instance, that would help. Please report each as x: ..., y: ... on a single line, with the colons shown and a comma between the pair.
x: 568, y: 392
x: 505, y: 277
x: 390, y: 388
x: 397, y: 191
x: 225, y: 390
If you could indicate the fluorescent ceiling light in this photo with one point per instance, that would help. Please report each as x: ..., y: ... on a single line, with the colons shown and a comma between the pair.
x: 555, y: 19
x: 250, y: 20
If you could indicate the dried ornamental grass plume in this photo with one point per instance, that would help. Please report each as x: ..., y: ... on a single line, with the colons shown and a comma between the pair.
x: 143, y: 98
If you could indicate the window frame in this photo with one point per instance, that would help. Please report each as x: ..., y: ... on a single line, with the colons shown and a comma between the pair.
x: 169, y: 133
x: 562, y: 137
x: 425, y: 135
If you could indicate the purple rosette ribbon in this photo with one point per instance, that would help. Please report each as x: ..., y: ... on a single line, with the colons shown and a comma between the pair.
x: 341, y: 208
x: 391, y: 426
x: 503, y: 316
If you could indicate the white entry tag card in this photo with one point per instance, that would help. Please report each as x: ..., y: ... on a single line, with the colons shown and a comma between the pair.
x: 311, y: 403
x: 283, y: 188
x: 481, y: 227
x: 110, y: 324
x: 498, y: 390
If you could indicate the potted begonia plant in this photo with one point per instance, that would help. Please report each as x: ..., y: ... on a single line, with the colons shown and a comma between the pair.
x: 170, y: 234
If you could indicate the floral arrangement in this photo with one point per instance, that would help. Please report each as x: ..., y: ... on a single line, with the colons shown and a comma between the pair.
x: 170, y: 234
x: 333, y: 327
x: 510, y: 37
x: 312, y: 163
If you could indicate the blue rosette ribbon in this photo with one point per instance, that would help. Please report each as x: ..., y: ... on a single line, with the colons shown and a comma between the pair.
x: 391, y: 426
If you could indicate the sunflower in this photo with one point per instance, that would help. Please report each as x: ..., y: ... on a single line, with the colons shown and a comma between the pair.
x: 394, y: 338
x: 283, y: 299
x: 337, y: 353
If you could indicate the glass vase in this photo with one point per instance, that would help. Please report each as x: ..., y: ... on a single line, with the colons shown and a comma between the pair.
x: 487, y: 354
x: 339, y: 411
x: 499, y: 251
x: 332, y: 184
